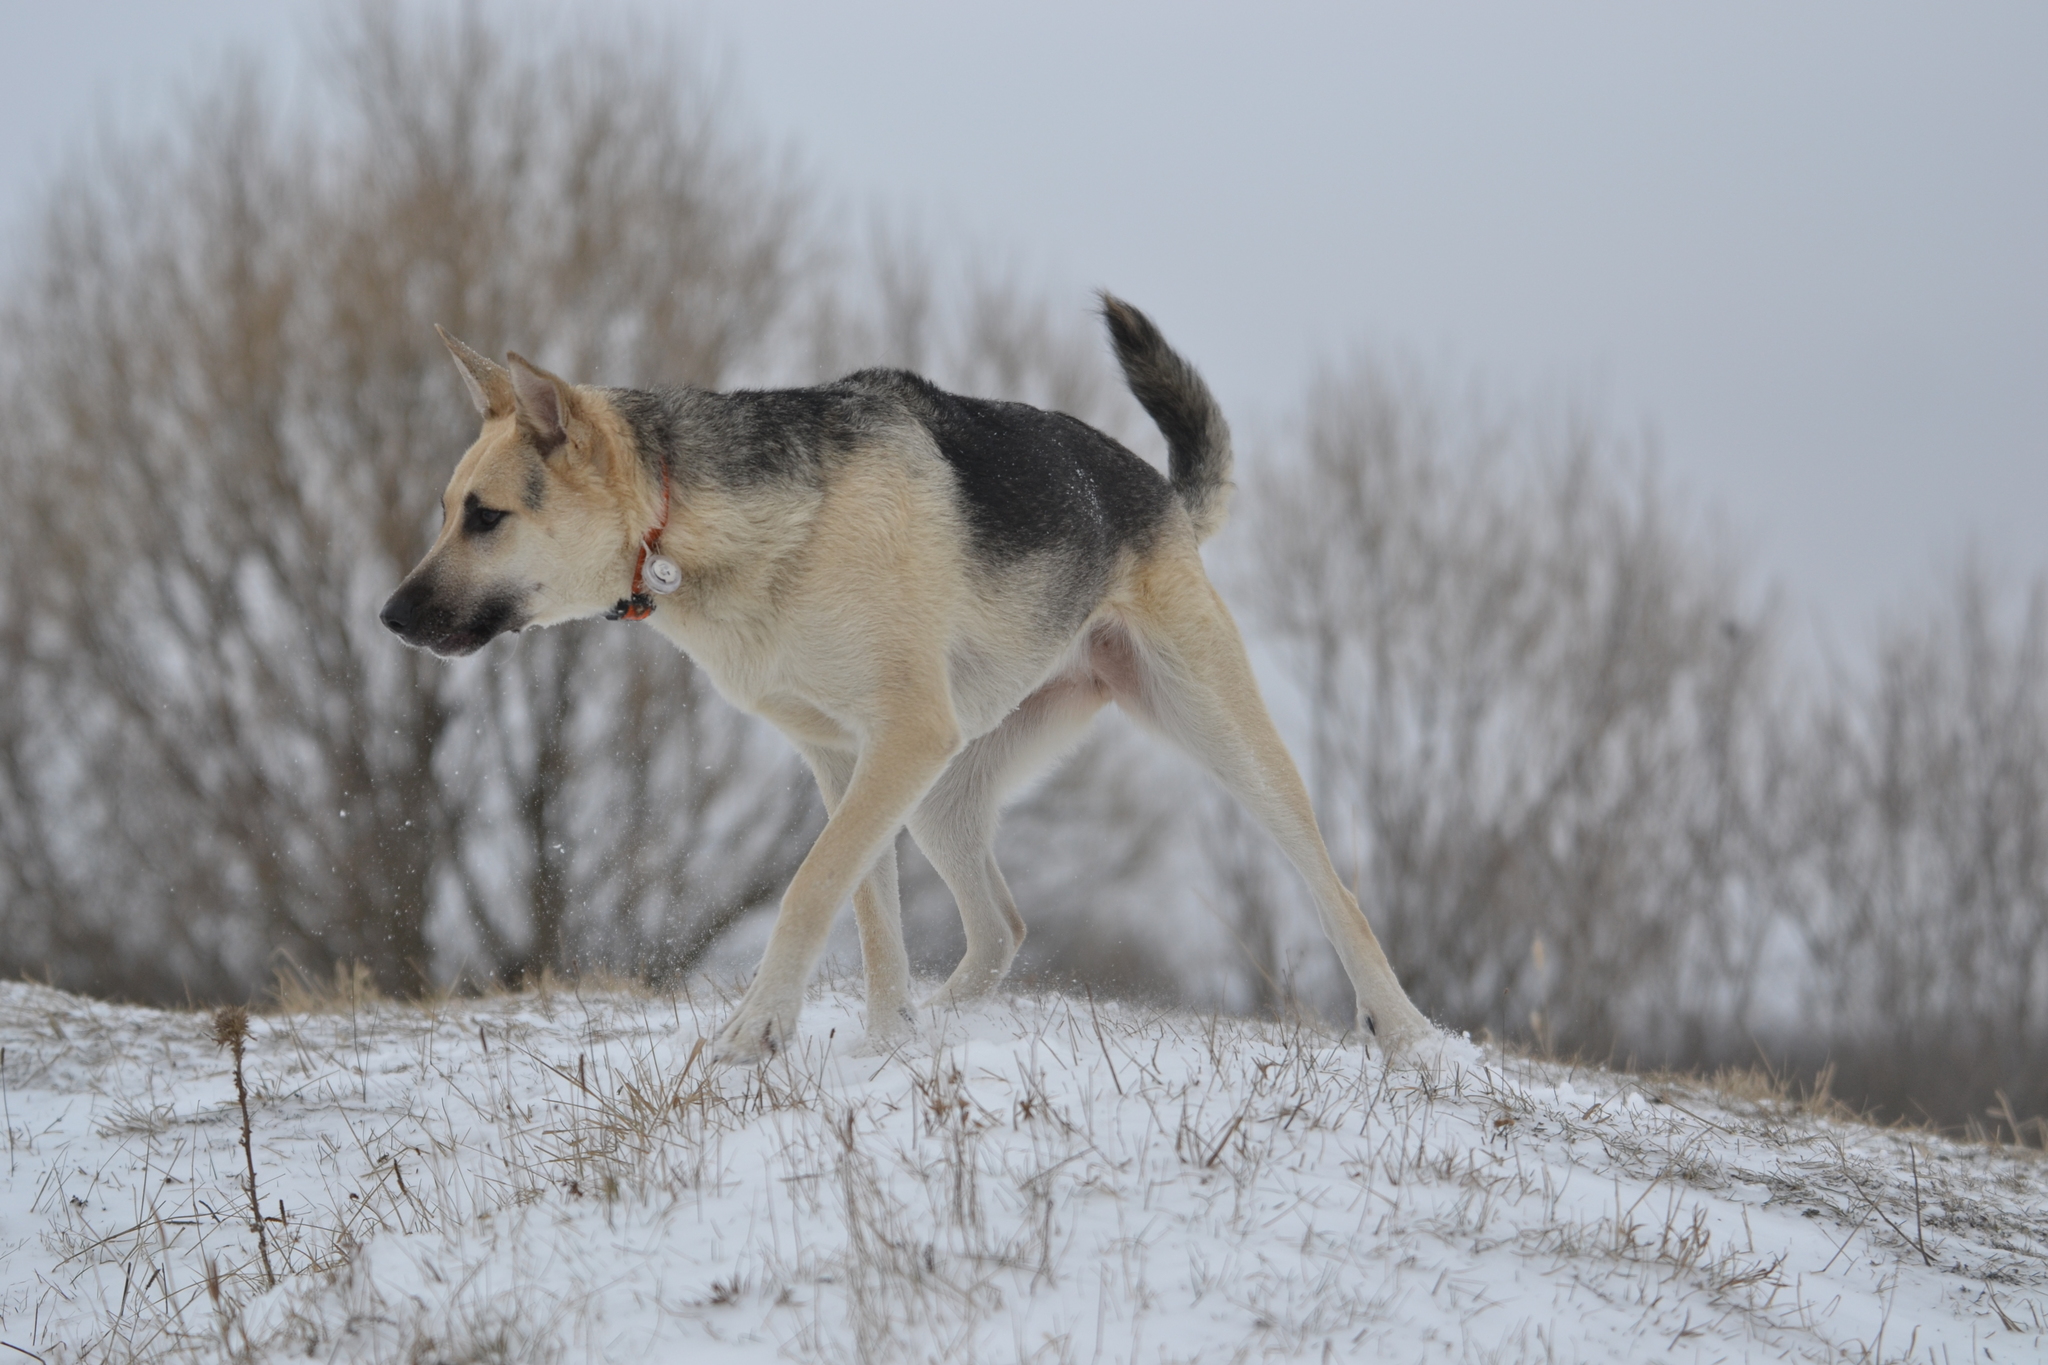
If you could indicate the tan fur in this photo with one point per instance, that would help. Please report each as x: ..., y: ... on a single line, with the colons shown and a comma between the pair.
x: 855, y: 620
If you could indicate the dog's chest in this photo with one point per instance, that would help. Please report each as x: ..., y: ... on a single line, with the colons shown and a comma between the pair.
x: 811, y: 686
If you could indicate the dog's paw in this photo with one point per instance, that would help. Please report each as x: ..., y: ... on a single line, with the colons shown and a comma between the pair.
x: 1418, y: 1045
x: 963, y: 989
x: 946, y: 999
x: 1404, y: 1037
x: 891, y: 1026
x: 973, y: 981
x: 1437, y: 1050
x: 889, y: 1030
x: 753, y: 1035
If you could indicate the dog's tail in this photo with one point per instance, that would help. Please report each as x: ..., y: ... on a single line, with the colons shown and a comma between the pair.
x: 1197, y: 437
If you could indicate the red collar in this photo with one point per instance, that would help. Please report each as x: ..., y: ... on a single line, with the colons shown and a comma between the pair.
x: 640, y: 605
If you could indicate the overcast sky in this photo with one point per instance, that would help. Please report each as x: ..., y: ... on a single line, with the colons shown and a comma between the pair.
x: 1806, y: 244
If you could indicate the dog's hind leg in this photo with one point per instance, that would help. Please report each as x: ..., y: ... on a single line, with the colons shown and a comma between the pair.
x: 956, y: 824
x: 956, y: 840
x: 878, y: 913
x: 1180, y: 667
x: 901, y: 756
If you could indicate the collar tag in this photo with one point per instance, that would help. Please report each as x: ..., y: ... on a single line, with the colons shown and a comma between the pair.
x: 662, y: 575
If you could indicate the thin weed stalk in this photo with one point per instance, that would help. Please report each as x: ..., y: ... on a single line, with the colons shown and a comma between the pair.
x: 231, y: 1031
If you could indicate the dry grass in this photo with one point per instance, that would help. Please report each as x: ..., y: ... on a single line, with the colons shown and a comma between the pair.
x: 491, y: 1179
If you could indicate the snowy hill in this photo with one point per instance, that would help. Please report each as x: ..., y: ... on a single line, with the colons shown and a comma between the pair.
x: 554, y: 1176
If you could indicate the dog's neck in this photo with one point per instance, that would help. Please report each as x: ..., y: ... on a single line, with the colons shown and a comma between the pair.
x: 653, y: 572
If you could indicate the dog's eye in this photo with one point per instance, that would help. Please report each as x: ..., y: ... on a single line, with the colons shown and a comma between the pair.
x: 478, y: 519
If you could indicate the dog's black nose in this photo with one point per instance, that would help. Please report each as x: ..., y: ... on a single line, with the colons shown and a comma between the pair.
x: 400, y: 612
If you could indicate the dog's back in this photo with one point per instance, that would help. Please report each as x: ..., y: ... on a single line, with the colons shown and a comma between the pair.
x: 1048, y: 505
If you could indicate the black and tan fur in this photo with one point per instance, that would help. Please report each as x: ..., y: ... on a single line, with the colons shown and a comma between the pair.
x: 930, y: 595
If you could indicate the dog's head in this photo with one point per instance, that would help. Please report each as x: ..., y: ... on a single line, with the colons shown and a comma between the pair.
x: 540, y: 521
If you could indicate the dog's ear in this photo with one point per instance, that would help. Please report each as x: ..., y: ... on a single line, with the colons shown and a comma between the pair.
x: 545, y: 402
x: 489, y: 387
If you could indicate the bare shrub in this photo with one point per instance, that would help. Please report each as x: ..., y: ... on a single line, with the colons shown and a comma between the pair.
x: 898, y: 300
x: 1549, y: 734
x: 229, y: 422
x: 1926, y: 921
x: 1540, y: 718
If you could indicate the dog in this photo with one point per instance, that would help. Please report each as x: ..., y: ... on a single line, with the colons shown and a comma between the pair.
x: 930, y: 595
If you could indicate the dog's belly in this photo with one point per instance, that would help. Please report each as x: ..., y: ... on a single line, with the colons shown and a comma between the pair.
x: 992, y: 677
x: 991, y: 680
x: 986, y: 686
x: 1096, y: 666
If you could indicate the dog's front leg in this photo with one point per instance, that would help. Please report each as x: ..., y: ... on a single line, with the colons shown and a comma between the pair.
x: 885, y: 960
x: 878, y: 912
x: 897, y: 765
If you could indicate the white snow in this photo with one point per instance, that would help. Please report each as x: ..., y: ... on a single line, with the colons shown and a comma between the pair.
x: 553, y: 1176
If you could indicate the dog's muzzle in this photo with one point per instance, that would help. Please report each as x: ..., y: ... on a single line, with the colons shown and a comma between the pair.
x: 418, y: 615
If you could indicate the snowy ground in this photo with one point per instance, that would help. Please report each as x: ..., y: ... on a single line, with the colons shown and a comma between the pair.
x: 552, y: 1176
